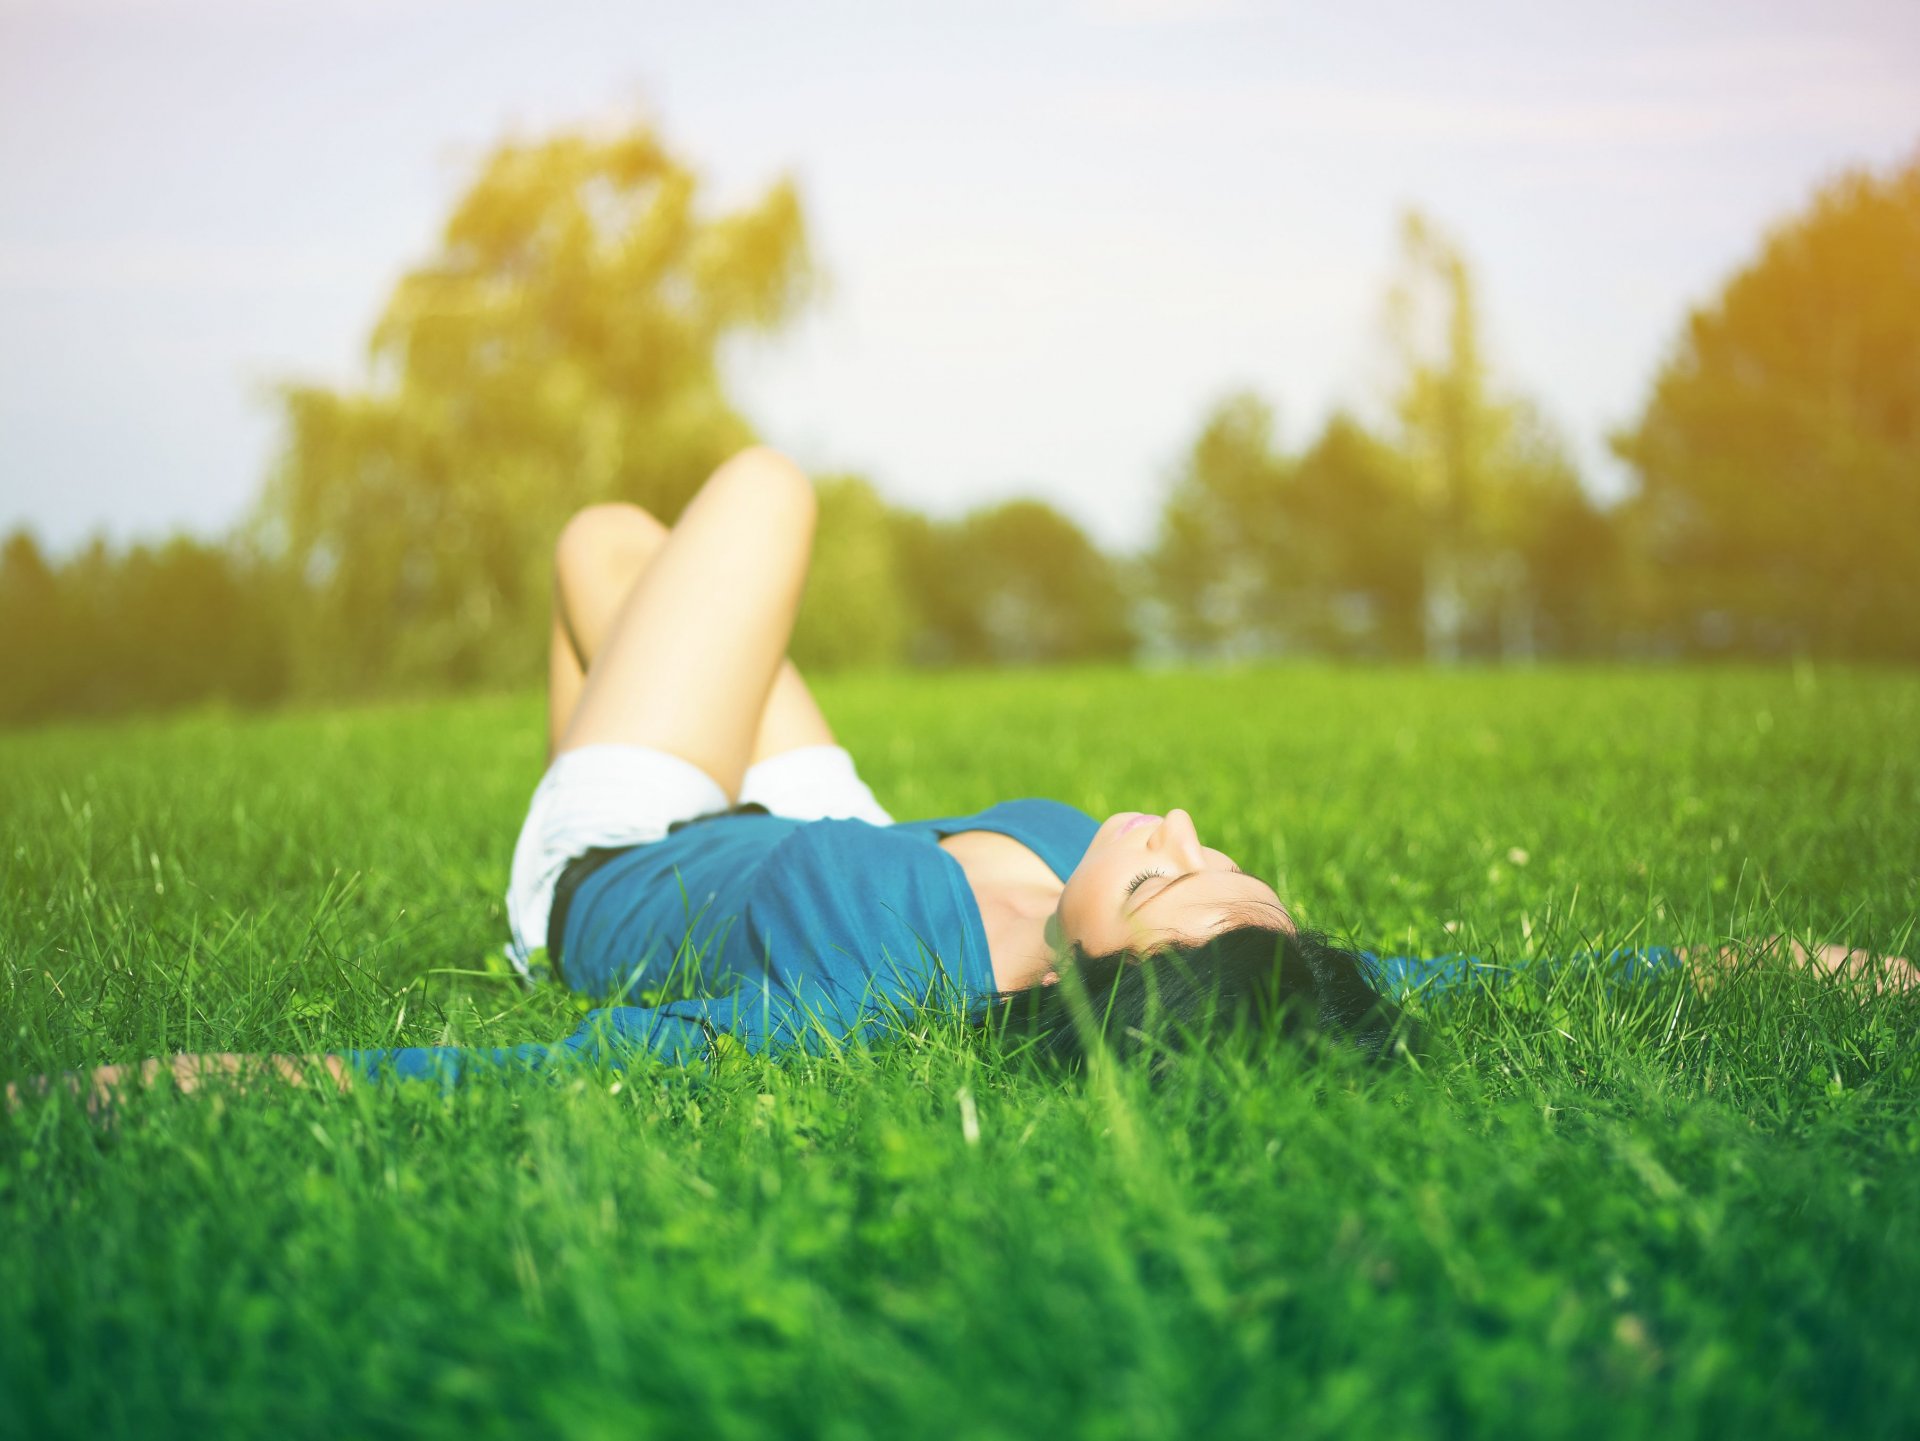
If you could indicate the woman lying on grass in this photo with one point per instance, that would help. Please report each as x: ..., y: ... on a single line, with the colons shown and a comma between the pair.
x: 699, y: 822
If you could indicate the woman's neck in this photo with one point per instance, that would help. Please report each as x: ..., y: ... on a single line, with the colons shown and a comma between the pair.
x: 1015, y: 892
x: 1015, y: 920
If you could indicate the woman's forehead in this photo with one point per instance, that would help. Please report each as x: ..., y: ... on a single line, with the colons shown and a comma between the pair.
x: 1204, y: 909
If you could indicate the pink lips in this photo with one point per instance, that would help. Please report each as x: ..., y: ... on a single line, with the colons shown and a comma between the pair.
x: 1139, y: 820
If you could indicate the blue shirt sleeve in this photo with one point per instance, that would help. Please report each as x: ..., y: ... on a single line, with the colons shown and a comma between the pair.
x: 614, y: 1036
x: 1433, y: 976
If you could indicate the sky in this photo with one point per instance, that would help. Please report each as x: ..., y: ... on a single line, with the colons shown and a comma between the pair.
x: 1054, y: 234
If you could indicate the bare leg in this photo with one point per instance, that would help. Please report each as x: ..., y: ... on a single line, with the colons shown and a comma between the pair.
x: 689, y: 661
x: 792, y: 718
x: 601, y: 552
x: 565, y: 675
x: 601, y: 555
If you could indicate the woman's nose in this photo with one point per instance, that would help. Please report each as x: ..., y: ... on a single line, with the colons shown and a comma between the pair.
x: 1176, y: 835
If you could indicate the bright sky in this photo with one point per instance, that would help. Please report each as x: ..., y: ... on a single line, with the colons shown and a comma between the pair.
x: 1056, y: 232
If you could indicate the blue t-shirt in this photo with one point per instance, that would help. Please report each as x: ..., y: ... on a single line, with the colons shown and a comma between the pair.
x: 804, y: 934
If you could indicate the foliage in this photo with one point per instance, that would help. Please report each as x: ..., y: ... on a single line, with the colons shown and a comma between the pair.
x: 561, y: 347
x: 1484, y: 472
x: 1014, y: 583
x: 558, y: 349
x: 858, y: 610
x: 1360, y: 550
x: 1596, y: 1211
x: 1779, y: 453
x: 1462, y: 530
x: 1043, y: 591
x: 1220, y: 563
x: 193, y: 621
x: 153, y: 628
x: 1260, y: 551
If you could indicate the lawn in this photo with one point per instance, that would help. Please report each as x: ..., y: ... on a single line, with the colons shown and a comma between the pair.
x: 1621, y: 1210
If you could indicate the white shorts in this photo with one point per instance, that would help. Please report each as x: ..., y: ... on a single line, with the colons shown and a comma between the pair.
x: 620, y: 795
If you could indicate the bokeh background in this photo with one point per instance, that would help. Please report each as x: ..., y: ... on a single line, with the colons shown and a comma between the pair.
x: 1124, y: 329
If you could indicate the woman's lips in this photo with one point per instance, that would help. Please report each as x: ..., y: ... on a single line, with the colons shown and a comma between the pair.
x: 1138, y: 820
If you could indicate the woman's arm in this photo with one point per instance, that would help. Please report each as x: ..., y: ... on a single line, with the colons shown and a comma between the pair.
x: 1887, y: 973
x: 678, y: 1032
x: 104, y: 1085
x: 1706, y: 966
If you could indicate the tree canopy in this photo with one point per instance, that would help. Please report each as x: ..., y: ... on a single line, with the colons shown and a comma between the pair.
x: 1458, y: 527
x: 1779, y: 453
x: 560, y: 347
x: 1018, y: 582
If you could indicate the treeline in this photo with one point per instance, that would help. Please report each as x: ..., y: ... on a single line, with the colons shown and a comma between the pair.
x: 146, y: 628
x: 151, y: 628
x: 562, y: 344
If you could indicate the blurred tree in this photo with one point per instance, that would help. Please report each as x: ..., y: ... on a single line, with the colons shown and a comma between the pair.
x: 1016, y: 583
x: 857, y: 611
x: 147, y: 629
x: 1357, y: 546
x: 1452, y: 431
x: 1043, y: 590
x: 37, y: 653
x: 947, y: 624
x: 1566, y: 600
x: 1220, y: 564
x: 1485, y: 469
x: 1779, y: 453
x: 559, y: 349
x: 1467, y: 532
x: 1262, y: 552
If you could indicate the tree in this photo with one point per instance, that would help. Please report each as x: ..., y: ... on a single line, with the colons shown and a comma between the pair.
x: 37, y: 655
x: 1485, y: 468
x: 1452, y: 429
x: 1045, y: 592
x: 148, y: 628
x: 1219, y: 565
x: 559, y: 348
x: 1357, y: 546
x: 1464, y: 531
x: 1014, y: 583
x: 857, y: 611
x: 1778, y: 456
x: 947, y: 626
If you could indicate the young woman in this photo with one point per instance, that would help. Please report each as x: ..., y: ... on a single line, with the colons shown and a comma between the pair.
x: 699, y: 825
x: 699, y: 830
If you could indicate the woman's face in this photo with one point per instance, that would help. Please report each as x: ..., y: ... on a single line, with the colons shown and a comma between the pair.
x: 1146, y: 881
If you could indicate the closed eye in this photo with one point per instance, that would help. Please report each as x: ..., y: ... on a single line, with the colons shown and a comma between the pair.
x: 1141, y: 879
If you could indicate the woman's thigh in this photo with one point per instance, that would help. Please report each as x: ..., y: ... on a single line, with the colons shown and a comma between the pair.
x: 689, y: 660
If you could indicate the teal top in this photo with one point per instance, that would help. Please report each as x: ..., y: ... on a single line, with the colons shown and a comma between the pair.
x: 800, y: 934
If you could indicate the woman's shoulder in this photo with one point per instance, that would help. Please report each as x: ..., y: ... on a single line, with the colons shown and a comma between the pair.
x: 1024, y: 811
x: 1044, y: 811
x: 1055, y: 831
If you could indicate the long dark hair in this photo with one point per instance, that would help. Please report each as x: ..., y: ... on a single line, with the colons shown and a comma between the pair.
x: 1286, y: 983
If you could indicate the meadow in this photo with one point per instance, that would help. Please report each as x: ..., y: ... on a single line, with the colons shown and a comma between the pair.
x: 1590, y: 1210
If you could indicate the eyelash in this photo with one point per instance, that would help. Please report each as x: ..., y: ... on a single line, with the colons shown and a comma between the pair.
x: 1141, y: 879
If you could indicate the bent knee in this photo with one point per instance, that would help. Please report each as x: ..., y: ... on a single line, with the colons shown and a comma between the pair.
x: 612, y: 534
x: 773, y: 479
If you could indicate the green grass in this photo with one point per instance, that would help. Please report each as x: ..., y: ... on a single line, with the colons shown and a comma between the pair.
x: 1634, y: 1212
